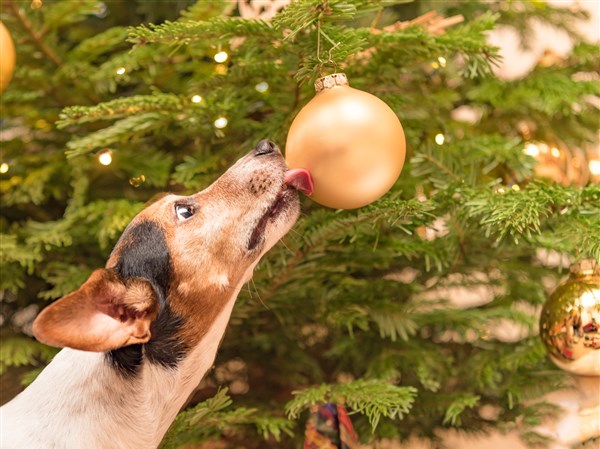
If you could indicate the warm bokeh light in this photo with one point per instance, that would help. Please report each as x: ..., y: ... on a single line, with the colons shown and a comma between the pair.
x: 221, y: 122
x: 221, y: 57
x: 105, y: 158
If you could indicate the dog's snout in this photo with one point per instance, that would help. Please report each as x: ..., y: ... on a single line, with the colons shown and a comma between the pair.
x: 265, y: 147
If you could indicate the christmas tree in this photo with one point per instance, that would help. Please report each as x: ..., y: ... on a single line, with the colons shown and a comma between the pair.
x: 392, y: 309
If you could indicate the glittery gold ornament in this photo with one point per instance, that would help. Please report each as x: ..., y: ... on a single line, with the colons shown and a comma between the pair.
x: 7, y: 57
x: 351, y: 143
x: 570, y: 321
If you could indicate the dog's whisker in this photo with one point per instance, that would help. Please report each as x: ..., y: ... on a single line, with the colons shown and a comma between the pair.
x: 258, y: 295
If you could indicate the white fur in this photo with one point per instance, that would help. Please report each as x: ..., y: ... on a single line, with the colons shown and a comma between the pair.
x: 114, y: 412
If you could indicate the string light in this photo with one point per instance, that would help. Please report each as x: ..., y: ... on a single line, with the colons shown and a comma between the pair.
x: 196, y: 99
x: 221, y: 122
x: 531, y: 149
x: 515, y: 187
x: 555, y: 152
x: 4, y: 167
x: 105, y: 158
x: 594, y: 166
x: 36, y: 4
x: 262, y: 87
x: 440, y: 139
x: 501, y: 190
x: 221, y: 57
x: 121, y: 71
x: 442, y: 61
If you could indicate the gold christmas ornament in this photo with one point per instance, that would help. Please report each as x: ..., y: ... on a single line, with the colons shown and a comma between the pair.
x: 570, y: 321
x: 7, y: 57
x: 351, y: 143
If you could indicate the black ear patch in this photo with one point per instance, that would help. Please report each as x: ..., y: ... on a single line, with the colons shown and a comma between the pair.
x: 144, y: 253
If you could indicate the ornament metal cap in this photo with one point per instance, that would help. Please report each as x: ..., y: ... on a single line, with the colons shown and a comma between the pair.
x: 585, y: 267
x: 331, y: 81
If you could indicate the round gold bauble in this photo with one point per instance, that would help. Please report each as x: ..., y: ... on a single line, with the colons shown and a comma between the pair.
x: 350, y: 141
x: 7, y: 57
x: 570, y: 321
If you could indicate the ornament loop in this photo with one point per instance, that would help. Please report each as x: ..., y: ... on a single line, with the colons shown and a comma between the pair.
x: 330, y: 81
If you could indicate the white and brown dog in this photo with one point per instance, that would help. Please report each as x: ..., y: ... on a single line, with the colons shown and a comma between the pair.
x: 140, y: 334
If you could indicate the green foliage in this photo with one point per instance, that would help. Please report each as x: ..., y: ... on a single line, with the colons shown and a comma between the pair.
x: 17, y: 351
x: 211, y: 418
x: 373, y: 398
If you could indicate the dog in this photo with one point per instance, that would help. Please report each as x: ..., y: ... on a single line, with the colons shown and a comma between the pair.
x: 140, y: 334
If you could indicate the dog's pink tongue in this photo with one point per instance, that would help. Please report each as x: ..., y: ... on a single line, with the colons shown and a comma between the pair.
x: 299, y: 179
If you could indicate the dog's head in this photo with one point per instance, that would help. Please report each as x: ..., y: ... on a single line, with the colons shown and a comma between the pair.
x: 179, y: 262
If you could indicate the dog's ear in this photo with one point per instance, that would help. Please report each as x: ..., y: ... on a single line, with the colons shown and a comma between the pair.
x: 106, y: 313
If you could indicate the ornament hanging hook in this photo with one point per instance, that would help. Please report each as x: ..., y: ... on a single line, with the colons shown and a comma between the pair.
x: 334, y: 45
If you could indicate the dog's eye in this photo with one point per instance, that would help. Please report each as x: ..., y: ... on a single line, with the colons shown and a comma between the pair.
x: 184, y: 212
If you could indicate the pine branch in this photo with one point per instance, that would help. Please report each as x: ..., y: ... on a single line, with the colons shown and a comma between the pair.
x: 120, y: 108
x: 520, y: 213
x: 17, y: 351
x: 179, y: 33
x: 123, y: 130
x: 211, y: 418
x: 35, y: 37
x: 373, y: 398
x: 458, y: 405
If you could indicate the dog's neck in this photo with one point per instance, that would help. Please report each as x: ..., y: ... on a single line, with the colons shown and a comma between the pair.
x: 82, y: 391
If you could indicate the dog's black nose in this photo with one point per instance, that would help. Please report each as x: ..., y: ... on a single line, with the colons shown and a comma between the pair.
x: 265, y: 147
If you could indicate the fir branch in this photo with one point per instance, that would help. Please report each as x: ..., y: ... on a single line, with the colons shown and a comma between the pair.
x: 123, y: 130
x: 210, y: 418
x: 546, y: 92
x: 62, y: 14
x: 373, y: 398
x: 34, y: 36
x: 178, y: 33
x: 12, y: 251
x: 120, y: 108
x: 520, y: 213
x: 64, y: 278
x: 92, y: 48
x: 458, y: 406
x: 31, y: 188
x: 467, y: 40
x: 18, y: 351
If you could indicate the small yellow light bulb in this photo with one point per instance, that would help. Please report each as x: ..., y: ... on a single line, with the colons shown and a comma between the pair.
x: 515, y: 187
x: 531, y: 149
x: 221, y: 122
x: 442, y: 61
x: 4, y: 167
x: 594, y: 166
x: 262, y: 87
x: 440, y: 139
x: 105, y: 158
x: 555, y: 152
x: 221, y: 57
x: 196, y: 99
x: 121, y: 71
